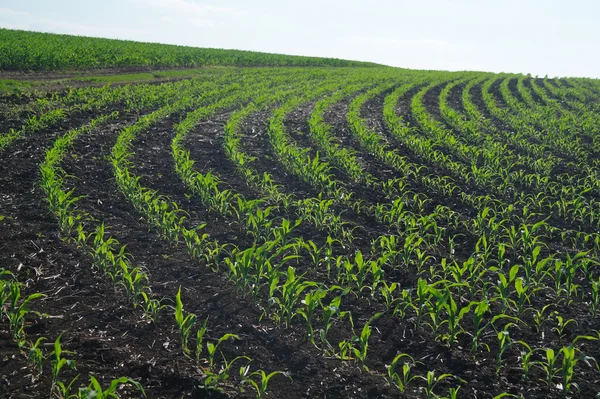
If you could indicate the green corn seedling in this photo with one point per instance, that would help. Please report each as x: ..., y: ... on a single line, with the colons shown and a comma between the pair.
x: 435, y: 310
x: 455, y: 316
x: 212, y: 348
x: 404, y: 304
x: 539, y: 317
x: 151, y: 306
x: 35, y: 354
x: 200, y: 340
x: 562, y: 324
x: 526, y: 354
x: 134, y: 281
x: 329, y: 311
x: 453, y: 392
x: 548, y: 366
x: 479, y: 327
x: 17, y: 311
x: 184, y: 323
x: 387, y: 293
x: 262, y: 383
x: 215, y: 377
x: 345, y: 350
x: 595, y: 296
x: 402, y: 380
x: 504, y: 342
x: 360, y: 353
x: 290, y: 294
x: 94, y: 390
x: 432, y: 380
x: 503, y: 286
x: 311, y: 302
x: 57, y: 364
x: 567, y: 371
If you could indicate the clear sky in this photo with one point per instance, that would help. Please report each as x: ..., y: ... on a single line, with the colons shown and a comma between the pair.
x: 554, y: 37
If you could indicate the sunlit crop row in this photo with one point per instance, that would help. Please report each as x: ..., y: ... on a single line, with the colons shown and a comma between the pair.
x: 482, y: 238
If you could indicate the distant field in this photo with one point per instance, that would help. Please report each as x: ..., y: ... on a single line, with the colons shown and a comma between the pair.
x: 32, y: 51
x: 28, y: 82
x: 365, y: 232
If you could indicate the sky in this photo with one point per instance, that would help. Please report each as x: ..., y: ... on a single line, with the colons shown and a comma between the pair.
x: 542, y: 37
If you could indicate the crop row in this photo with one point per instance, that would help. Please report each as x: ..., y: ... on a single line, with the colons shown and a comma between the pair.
x: 472, y: 240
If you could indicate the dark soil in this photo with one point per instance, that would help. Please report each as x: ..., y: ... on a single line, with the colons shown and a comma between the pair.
x: 109, y: 338
x: 34, y: 75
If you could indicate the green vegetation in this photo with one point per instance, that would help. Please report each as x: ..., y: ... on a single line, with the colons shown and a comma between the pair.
x: 424, y: 230
x: 85, y: 78
x: 33, y: 51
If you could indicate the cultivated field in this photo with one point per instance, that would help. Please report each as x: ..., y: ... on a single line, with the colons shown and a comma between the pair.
x: 299, y: 232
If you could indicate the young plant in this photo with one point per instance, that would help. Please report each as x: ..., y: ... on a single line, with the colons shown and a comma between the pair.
x: 453, y: 392
x: 196, y: 243
x: 503, y: 286
x: 432, y: 380
x: 479, y: 327
x: 311, y: 301
x: 595, y: 296
x: 35, y: 354
x: 57, y: 364
x: 184, y: 322
x: 548, y: 366
x: 346, y: 349
x: 401, y: 381
x: 17, y: 309
x: 455, y: 316
x: 329, y: 311
x: 524, y: 293
x: 387, y: 293
x: 200, y: 339
x: 215, y: 377
x: 539, y: 317
x: 360, y: 353
x: 262, y: 382
x: 567, y: 370
x: 290, y: 294
x: 435, y: 309
x: 151, y: 306
x: 94, y: 390
x: 134, y: 281
x: 404, y: 304
x: 422, y: 301
x: 526, y: 360
x: 212, y: 348
x: 562, y: 325
x: 504, y: 342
